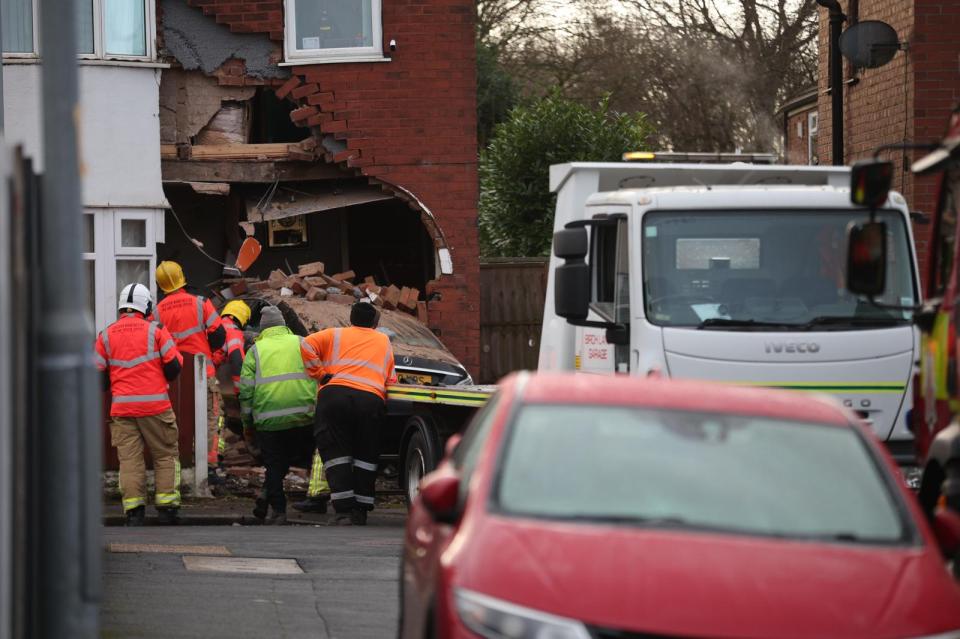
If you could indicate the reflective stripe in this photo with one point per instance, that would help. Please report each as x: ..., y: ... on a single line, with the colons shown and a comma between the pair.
x: 365, y: 465
x: 361, y: 380
x: 235, y: 342
x: 168, y: 499
x: 152, y: 339
x: 199, y: 311
x: 133, y: 502
x: 363, y: 499
x: 131, y: 399
x: 387, y: 357
x: 98, y: 358
x: 130, y: 363
x: 360, y: 362
x: 246, y: 381
x: 187, y: 333
x: 318, y: 481
x: 256, y: 359
x: 313, y: 363
x: 347, y: 494
x: 283, y: 412
x: 336, y: 344
x: 286, y: 377
x: 337, y: 461
x: 106, y: 340
x: 304, y: 344
x: 166, y: 347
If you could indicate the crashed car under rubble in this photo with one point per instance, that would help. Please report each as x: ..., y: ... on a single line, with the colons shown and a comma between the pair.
x: 412, y: 435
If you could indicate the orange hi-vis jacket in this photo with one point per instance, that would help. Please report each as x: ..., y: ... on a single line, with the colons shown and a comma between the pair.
x: 356, y: 357
x: 134, y: 351
x: 190, y: 319
x: 231, y: 353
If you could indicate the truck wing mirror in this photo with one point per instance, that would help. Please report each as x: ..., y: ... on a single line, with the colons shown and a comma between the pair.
x: 870, y: 183
x: 571, y: 291
x: 867, y: 258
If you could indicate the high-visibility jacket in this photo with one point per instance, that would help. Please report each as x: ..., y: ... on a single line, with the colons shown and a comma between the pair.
x: 190, y: 319
x: 275, y: 391
x: 231, y: 353
x: 134, y: 351
x: 355, y: 357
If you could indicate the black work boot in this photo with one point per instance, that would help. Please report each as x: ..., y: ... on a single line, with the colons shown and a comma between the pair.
x: 168, y: 516
x: 277, y: 519
x: 136, y: 516
x: 313, y: 504
x: 260, y: 508
x: 339, y: 519
x: 358, y: 517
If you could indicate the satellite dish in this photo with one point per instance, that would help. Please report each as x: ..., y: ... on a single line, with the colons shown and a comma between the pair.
x: 869, y: 44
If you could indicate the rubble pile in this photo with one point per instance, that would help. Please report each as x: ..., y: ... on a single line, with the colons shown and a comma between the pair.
x: 312, y: 283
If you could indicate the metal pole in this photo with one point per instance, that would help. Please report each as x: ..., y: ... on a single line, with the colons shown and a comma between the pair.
x: 201, y: 486
x: 1, y: 77
x: 836, y: 86
x: 68, y: 433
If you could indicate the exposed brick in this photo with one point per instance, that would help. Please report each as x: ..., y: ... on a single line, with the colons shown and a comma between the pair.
x: 310, y: 269
x: 287, y: 87
x: 333, y: 126
x: 303, y: 91
x: 301, y: 114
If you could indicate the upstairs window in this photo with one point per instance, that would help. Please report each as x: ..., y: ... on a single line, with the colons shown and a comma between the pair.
x: 333, y: 30
x: 106, y: 29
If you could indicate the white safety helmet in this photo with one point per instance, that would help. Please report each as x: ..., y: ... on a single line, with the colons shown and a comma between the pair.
x: 137, y: 297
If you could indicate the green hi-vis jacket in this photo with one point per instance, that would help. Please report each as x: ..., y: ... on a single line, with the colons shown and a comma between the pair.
x: 275, y: 391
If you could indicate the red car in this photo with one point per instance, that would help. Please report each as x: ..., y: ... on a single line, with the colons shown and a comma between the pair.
x: 580, y: 506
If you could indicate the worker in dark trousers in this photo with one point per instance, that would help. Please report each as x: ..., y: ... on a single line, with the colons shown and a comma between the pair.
x: 353, y: 365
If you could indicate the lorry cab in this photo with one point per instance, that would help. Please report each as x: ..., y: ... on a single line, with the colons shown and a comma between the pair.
x: 732, y: 273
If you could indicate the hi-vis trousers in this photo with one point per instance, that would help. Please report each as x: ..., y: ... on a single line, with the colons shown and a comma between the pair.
x: 160, y: 433
x: 347, y: 429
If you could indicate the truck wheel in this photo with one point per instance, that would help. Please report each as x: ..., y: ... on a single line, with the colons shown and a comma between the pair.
x: 419, y: 461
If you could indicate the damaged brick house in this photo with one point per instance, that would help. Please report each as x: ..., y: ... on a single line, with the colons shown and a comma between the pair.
x: 340, y: 131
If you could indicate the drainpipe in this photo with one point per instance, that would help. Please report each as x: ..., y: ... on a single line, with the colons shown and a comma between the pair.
x: 67, y: 420
x: 836, y: 19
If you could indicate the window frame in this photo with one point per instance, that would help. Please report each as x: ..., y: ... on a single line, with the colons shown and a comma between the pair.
x: 616, y: 225
x: 132, y: 251
x: 99, y: 51
x: 293, y: 56
x: 31, y: 55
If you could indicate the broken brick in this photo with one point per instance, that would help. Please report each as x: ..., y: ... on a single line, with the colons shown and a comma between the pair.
x: 287, y: 87
x: 310, y: 269
x: 344, y: 277
x: 301, y: 114
x: 239, y: 287
x: 315, y: 294
x: 304, y: 91
x: 422, y: 312
x: 298, y: 285
x: 258, y: 286
x: 391, y: 297
x: 277, y: 279
x: 341, y: 299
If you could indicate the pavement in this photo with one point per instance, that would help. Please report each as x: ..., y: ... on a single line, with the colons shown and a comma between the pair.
x: 171, y: 582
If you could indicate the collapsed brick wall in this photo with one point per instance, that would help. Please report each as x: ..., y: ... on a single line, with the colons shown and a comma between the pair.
x: 909, y: 99
x: 410, y: 123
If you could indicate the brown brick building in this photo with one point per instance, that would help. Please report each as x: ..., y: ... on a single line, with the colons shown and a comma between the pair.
x: 799, y: 115
x: 375, y: 101
x: 909, y: 99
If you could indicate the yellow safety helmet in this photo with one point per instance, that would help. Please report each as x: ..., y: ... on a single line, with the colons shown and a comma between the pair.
x: 238, y: 309
x: 170, y: 276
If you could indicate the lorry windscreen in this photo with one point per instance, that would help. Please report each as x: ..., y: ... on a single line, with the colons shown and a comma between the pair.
x: 776, y: 270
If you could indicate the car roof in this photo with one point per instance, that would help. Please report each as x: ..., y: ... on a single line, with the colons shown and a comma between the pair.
x: 688, y: 395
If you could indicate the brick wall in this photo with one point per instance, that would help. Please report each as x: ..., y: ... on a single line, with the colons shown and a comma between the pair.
x: 409, y: 122
x: 796, y: 136
x: 909, y: 99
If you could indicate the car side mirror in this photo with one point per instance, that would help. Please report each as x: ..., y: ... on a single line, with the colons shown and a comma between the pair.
x: 440, y: 493
x: 571, y: 292
x: 946, y: 528
x: 870, y: 183
x: 867, y: 258
x: 452, y: 444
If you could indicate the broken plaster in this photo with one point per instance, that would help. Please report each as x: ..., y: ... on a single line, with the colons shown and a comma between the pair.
x: 188, y: 101
x: 198, y: 42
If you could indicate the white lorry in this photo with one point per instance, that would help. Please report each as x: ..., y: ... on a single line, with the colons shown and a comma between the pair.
x: 729, y: 272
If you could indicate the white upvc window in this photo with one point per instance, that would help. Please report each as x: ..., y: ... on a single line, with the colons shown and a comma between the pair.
x: 119, y: 248
x: 318, y: 31
x: 106, y: 29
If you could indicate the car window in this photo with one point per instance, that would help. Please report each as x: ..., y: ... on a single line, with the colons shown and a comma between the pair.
x: 468, y: 450
x: 718, y: 472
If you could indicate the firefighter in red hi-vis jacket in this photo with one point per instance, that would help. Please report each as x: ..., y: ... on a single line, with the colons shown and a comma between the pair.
x: 139, y: 357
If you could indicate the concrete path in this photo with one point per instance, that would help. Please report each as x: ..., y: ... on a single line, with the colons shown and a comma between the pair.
x: 347, y: 590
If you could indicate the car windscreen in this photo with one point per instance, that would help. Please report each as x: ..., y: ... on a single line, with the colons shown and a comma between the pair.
x: 730, y: 269
x: 677, y: 469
